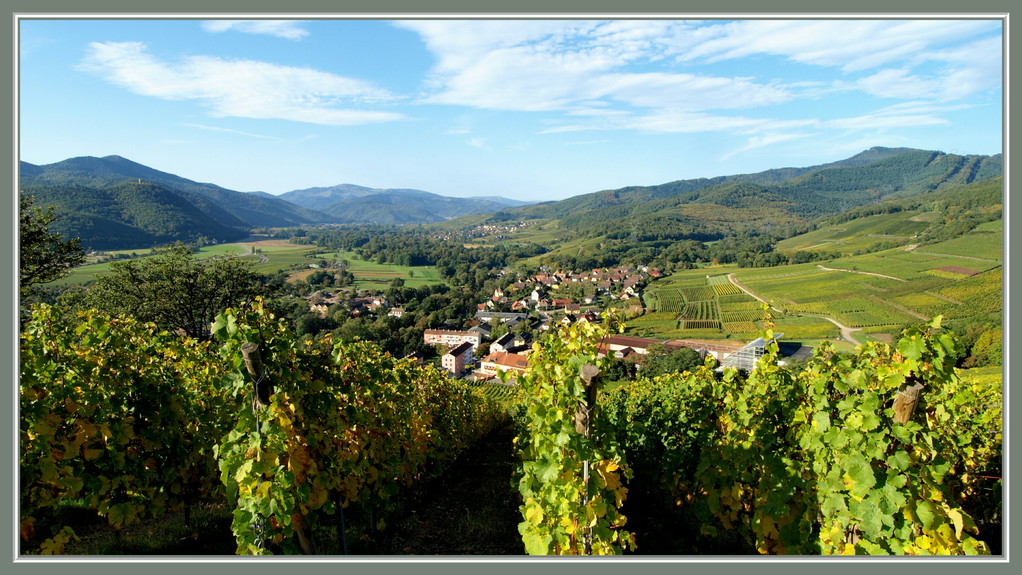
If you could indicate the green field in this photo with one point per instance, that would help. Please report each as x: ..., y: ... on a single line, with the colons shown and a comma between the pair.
x: 271, y: 256
x: 879, y: 293
x: 374, y: 276
x: 859, y: 234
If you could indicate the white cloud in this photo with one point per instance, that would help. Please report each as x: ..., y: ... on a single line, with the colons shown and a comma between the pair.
x: 764, y: 141
x: 477, y: 143
x: 848, y: 44
x: 229, y: 131
x: 893, y: 83
x: 240, y: 88
x: 570, y: 66
x: 673, y: 121
x: 905, y: 115
x: 688, y: 91
x: 288, y: 29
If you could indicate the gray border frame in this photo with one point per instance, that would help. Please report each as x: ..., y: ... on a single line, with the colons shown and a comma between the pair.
x: 451, y: 8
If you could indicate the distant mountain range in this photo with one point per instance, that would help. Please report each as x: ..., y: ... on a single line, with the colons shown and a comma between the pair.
x: 708, y: 208
x: 114, y: 203
x: 349, y: 204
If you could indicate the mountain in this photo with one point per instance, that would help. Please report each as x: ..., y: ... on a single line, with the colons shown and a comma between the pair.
x: 783, y: 195
x: 134, y: 215
x: 113, y: 202
x: 349, y: 203
x: 245, y: 209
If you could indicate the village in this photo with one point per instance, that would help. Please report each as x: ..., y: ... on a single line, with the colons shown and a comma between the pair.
x: 497, y: 348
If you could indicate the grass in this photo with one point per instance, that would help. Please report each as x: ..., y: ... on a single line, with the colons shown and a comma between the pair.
x: 374, y: 276
x: 849, y: 237
x: 271, y: 256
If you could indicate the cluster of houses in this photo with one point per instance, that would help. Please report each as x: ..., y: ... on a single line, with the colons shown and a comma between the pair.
x: 321, y: 301
x: 498, y: 231
x: 509, y: 354
x: 623, y: 283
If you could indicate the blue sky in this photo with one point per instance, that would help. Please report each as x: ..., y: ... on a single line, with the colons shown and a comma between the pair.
x: 523, y: 108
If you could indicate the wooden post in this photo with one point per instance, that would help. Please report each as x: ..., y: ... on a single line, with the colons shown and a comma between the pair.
x: 263, y: 391
x: 906, y: 400
x: 583, y: 420
x: 589, y: 375
x: 254, y: 365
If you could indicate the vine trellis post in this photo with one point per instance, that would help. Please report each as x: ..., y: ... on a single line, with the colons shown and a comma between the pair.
x: 583, y: 425
x: 906, y: 400
x: 262, y: 390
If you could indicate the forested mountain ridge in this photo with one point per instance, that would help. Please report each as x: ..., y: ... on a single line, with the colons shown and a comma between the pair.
x: 135, y: 215
x: 867, y: 177
x: 111, y: 202
x: 80, y: 188
x: 349, y: 203
x: 245, y: 209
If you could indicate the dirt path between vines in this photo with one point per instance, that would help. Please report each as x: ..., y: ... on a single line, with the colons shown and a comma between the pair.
x: 846, y: 332
x: 858, y: 272
x: 473, y: 510
x: 470, y: 510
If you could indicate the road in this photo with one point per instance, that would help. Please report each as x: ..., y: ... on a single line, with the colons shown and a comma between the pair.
x: 846, y: 332
x: 858, y: 272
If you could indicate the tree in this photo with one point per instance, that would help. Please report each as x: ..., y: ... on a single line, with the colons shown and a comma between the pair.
x: 44, y: 256
x: 659, y: 361
x: 174, y: 291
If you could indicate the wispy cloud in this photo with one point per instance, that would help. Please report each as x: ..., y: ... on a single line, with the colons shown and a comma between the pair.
x: 589, y: 67
x: 567, y: 65
x: 705, y: 77
x: 477, y: 143
x: 240, y: 88
x: 905, y: 115
x: 229, y: 131
x: 288, y: 29
x: 863, y: 44
x: 763, y: 141
x: 673, y: 121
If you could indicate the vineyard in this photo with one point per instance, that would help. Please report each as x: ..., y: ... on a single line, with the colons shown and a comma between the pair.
x: 698, y: 306
x: 136, y: 423
x: 884, y: 451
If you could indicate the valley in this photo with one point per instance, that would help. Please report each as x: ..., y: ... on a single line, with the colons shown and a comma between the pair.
x: 701, y: 279
x: 856, y: 270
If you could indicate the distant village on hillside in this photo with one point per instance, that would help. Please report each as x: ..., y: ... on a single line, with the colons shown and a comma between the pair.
x: 496, y: 348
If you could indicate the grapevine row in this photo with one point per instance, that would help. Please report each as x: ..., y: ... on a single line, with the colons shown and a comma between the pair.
x: 135, y: 422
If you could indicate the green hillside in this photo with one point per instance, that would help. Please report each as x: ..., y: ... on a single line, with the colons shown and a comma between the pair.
x: 939, y: 254
x: 921, y: 219
x: 134, y: 215
x: 228, y: 207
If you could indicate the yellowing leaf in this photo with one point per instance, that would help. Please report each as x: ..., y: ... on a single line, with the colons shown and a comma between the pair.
x: 263, y: 491
x: 958, y: 520
x: 534, y: 513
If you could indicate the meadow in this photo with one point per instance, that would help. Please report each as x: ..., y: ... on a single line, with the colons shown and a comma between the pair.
x: 859, y: 234
x: 271, y: 256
